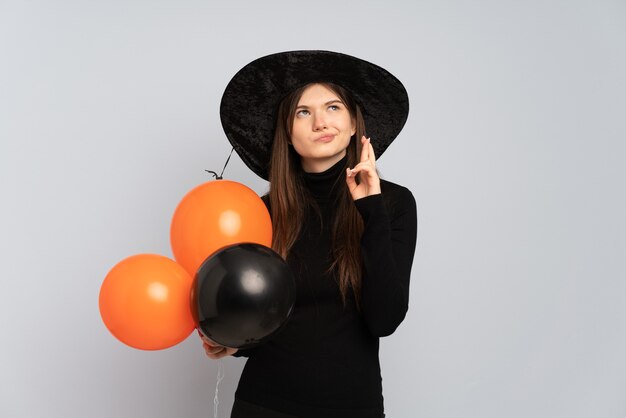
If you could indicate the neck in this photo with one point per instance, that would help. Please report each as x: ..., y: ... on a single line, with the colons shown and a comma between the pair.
x: 326, y: 183
x: 319, y: 165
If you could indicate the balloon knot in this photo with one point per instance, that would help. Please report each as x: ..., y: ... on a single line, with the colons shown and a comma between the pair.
x: 217, y: 176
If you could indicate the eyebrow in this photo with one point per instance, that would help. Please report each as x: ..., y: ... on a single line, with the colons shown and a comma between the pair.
x: 325, y: 104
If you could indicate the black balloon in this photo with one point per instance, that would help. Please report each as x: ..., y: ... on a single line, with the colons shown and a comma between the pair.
x: 242, y: 295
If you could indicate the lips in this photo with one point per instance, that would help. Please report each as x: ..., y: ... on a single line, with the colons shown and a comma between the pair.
x: 325, y: 138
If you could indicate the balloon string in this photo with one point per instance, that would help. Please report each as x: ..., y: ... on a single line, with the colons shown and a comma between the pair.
x: 220, y: 376
x: 227, y: 160
x: 221, y: 176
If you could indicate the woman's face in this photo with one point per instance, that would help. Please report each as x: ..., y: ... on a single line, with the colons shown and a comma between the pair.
x: 321, y: 128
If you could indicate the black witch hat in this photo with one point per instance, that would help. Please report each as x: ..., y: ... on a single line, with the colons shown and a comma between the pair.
x: 250, y: 102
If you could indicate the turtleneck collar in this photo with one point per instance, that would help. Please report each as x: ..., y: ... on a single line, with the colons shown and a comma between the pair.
x: 321, y: 185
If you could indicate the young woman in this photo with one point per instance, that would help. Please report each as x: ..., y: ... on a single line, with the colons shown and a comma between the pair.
x: 298, y: 119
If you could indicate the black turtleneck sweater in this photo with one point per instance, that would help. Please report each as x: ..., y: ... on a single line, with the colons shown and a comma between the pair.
x: 324, y: 362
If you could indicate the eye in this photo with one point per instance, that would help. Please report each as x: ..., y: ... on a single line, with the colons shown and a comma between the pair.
x: 333, y: 107
x: 302, y: 113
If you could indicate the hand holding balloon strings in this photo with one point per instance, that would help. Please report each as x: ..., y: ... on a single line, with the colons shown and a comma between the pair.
x: 213, y: 350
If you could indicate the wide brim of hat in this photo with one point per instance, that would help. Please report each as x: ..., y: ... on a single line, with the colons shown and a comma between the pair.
x: 250, y: 101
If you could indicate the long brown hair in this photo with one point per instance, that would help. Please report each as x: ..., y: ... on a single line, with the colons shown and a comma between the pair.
x: 289, y: 197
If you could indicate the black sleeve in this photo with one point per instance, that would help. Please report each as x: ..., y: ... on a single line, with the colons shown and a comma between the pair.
x: 387, y: 249
x: 246, y: 352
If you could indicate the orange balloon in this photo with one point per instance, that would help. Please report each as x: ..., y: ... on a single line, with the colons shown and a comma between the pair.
x: 216, y: 214
x: 144, y: 302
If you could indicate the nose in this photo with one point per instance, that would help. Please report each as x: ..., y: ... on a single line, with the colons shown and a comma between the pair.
x: 319, y: 122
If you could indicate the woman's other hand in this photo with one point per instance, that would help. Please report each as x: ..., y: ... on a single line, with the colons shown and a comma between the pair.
x: 369, y: 182
x: 215, y: 351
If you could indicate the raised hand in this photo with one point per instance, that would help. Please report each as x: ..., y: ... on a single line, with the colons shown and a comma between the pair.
x: 369, y: 182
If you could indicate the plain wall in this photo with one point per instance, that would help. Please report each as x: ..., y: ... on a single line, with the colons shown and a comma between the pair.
x: 514, y: 150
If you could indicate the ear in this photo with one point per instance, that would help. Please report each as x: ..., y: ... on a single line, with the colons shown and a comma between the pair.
x: 353, y: 128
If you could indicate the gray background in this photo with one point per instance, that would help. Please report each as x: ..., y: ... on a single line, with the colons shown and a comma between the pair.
x: 514, y: 150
